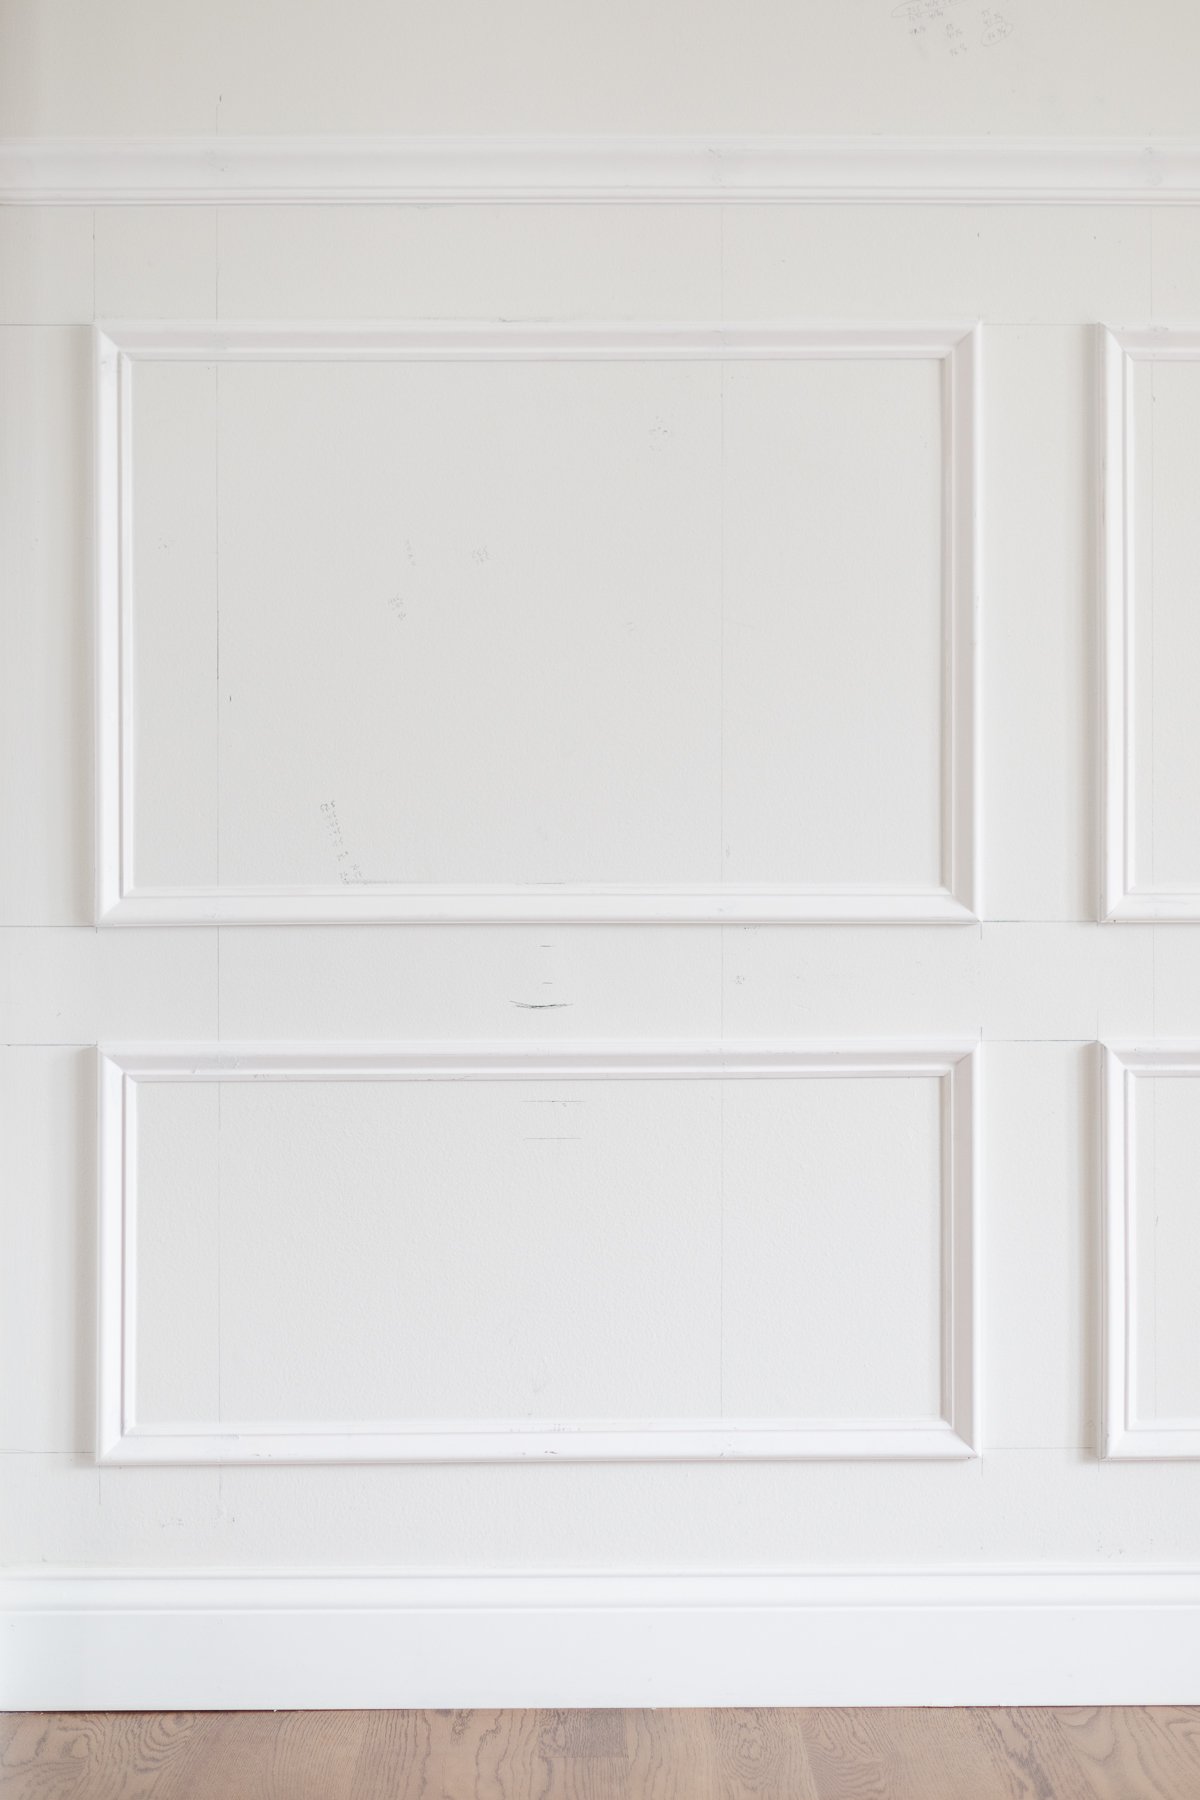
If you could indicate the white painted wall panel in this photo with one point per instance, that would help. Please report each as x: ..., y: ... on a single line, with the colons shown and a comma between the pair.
x: 474, y: 609
x: 466, y: 262
x: 1165, y: 1244
x: 437, y: 1251
x: 565, y: 622
x: 714, y: 588
x: 46, y: 716
x: 177, y: 1361
x: 1009, y: 265
x: 832, y: 566
x: 1165, y: 623
x: 175, y: 745
x: 832, y: 1249
x: 749, y: 1246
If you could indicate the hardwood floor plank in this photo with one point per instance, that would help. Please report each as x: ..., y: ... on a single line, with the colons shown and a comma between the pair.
x: 400, y: 1754
x: 760, y: 1752
x: 909, y: 1753
x: 1029, y: 1743
x: 1152, y: 1752
x: 904, y: 1753
x: 670, y: 1754
x: 104, y: 1756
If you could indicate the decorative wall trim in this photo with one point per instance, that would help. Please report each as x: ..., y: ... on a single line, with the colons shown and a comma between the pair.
x: 1121, y: 899
x: 120, y: 902
x: 917, y: 1637
x: 339, y: 170
x: 121, y: 1439
x: 1126, y: 1437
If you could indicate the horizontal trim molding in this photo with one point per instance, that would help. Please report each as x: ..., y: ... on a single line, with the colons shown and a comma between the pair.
x: 471, y: 169
x: 955, y: 899
x: 1000, y: 1636
x: 123, y: 1439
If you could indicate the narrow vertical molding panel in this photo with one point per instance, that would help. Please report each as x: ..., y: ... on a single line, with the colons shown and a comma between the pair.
x: 120, y: 901
x: 955, y: 1433
x: 1126, y: 1436
x: 1122, y: 898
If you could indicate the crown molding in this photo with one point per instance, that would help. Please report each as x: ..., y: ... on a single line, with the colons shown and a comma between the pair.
x: 455, y: 168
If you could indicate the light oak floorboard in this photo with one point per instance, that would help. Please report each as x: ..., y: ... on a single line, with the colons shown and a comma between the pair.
x: 902, y: 1753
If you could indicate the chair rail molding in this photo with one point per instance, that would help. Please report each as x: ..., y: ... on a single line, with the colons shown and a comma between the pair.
x: 955, y: 347
x: 576, y: 168
x: 1122, y: 898
x: 125, y: 1640
x: 954, y: 1434
x: 1128, y: 1437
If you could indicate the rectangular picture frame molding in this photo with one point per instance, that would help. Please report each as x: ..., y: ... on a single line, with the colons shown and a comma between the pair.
x: 953, y: 1435
x: 120, y: 902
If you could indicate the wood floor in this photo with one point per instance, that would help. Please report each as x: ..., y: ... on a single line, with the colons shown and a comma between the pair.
x: 1075, y: 1753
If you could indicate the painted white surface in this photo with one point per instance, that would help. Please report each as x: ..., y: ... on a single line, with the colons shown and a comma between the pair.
x: 533, y: 623
x: 461, y: 169
x: 1079, y: 67
x: 1151, y: 1249
x: 1150, y: 459
x: 1052, y: 1636
x: 594, y: 1251
x: 1097, y: 1553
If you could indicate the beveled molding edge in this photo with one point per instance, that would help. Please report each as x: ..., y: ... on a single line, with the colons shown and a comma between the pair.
x: 452, y: 168
x: 952, y: 1435
x: 120, y: 346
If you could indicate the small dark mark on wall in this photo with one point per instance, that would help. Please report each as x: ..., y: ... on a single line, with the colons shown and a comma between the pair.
x: 540, y: 1005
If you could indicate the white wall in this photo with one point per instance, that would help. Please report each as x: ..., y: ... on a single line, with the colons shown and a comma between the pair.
x: 130, y: 68
x: 672, y: 624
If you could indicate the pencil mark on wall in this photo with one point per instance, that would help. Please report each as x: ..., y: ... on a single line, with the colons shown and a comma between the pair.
x: 995, y: 27
x: 951, y: 29
x: 348, y: 867
x: 541, y: 1005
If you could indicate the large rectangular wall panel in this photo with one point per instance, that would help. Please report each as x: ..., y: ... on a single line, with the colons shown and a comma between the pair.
x: 1151, y: 551
x: 1152, y: 1250
x: 536, y: 623
x: 489, y: 1252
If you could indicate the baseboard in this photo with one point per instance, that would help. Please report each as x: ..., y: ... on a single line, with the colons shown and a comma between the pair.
x: 94, y: 1641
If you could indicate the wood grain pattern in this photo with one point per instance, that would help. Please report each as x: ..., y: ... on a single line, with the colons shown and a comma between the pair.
x: 903, y: 1753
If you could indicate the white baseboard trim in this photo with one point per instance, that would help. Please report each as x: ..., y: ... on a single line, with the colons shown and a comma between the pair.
x: 451, y: 168
x: 1001, y: 1636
